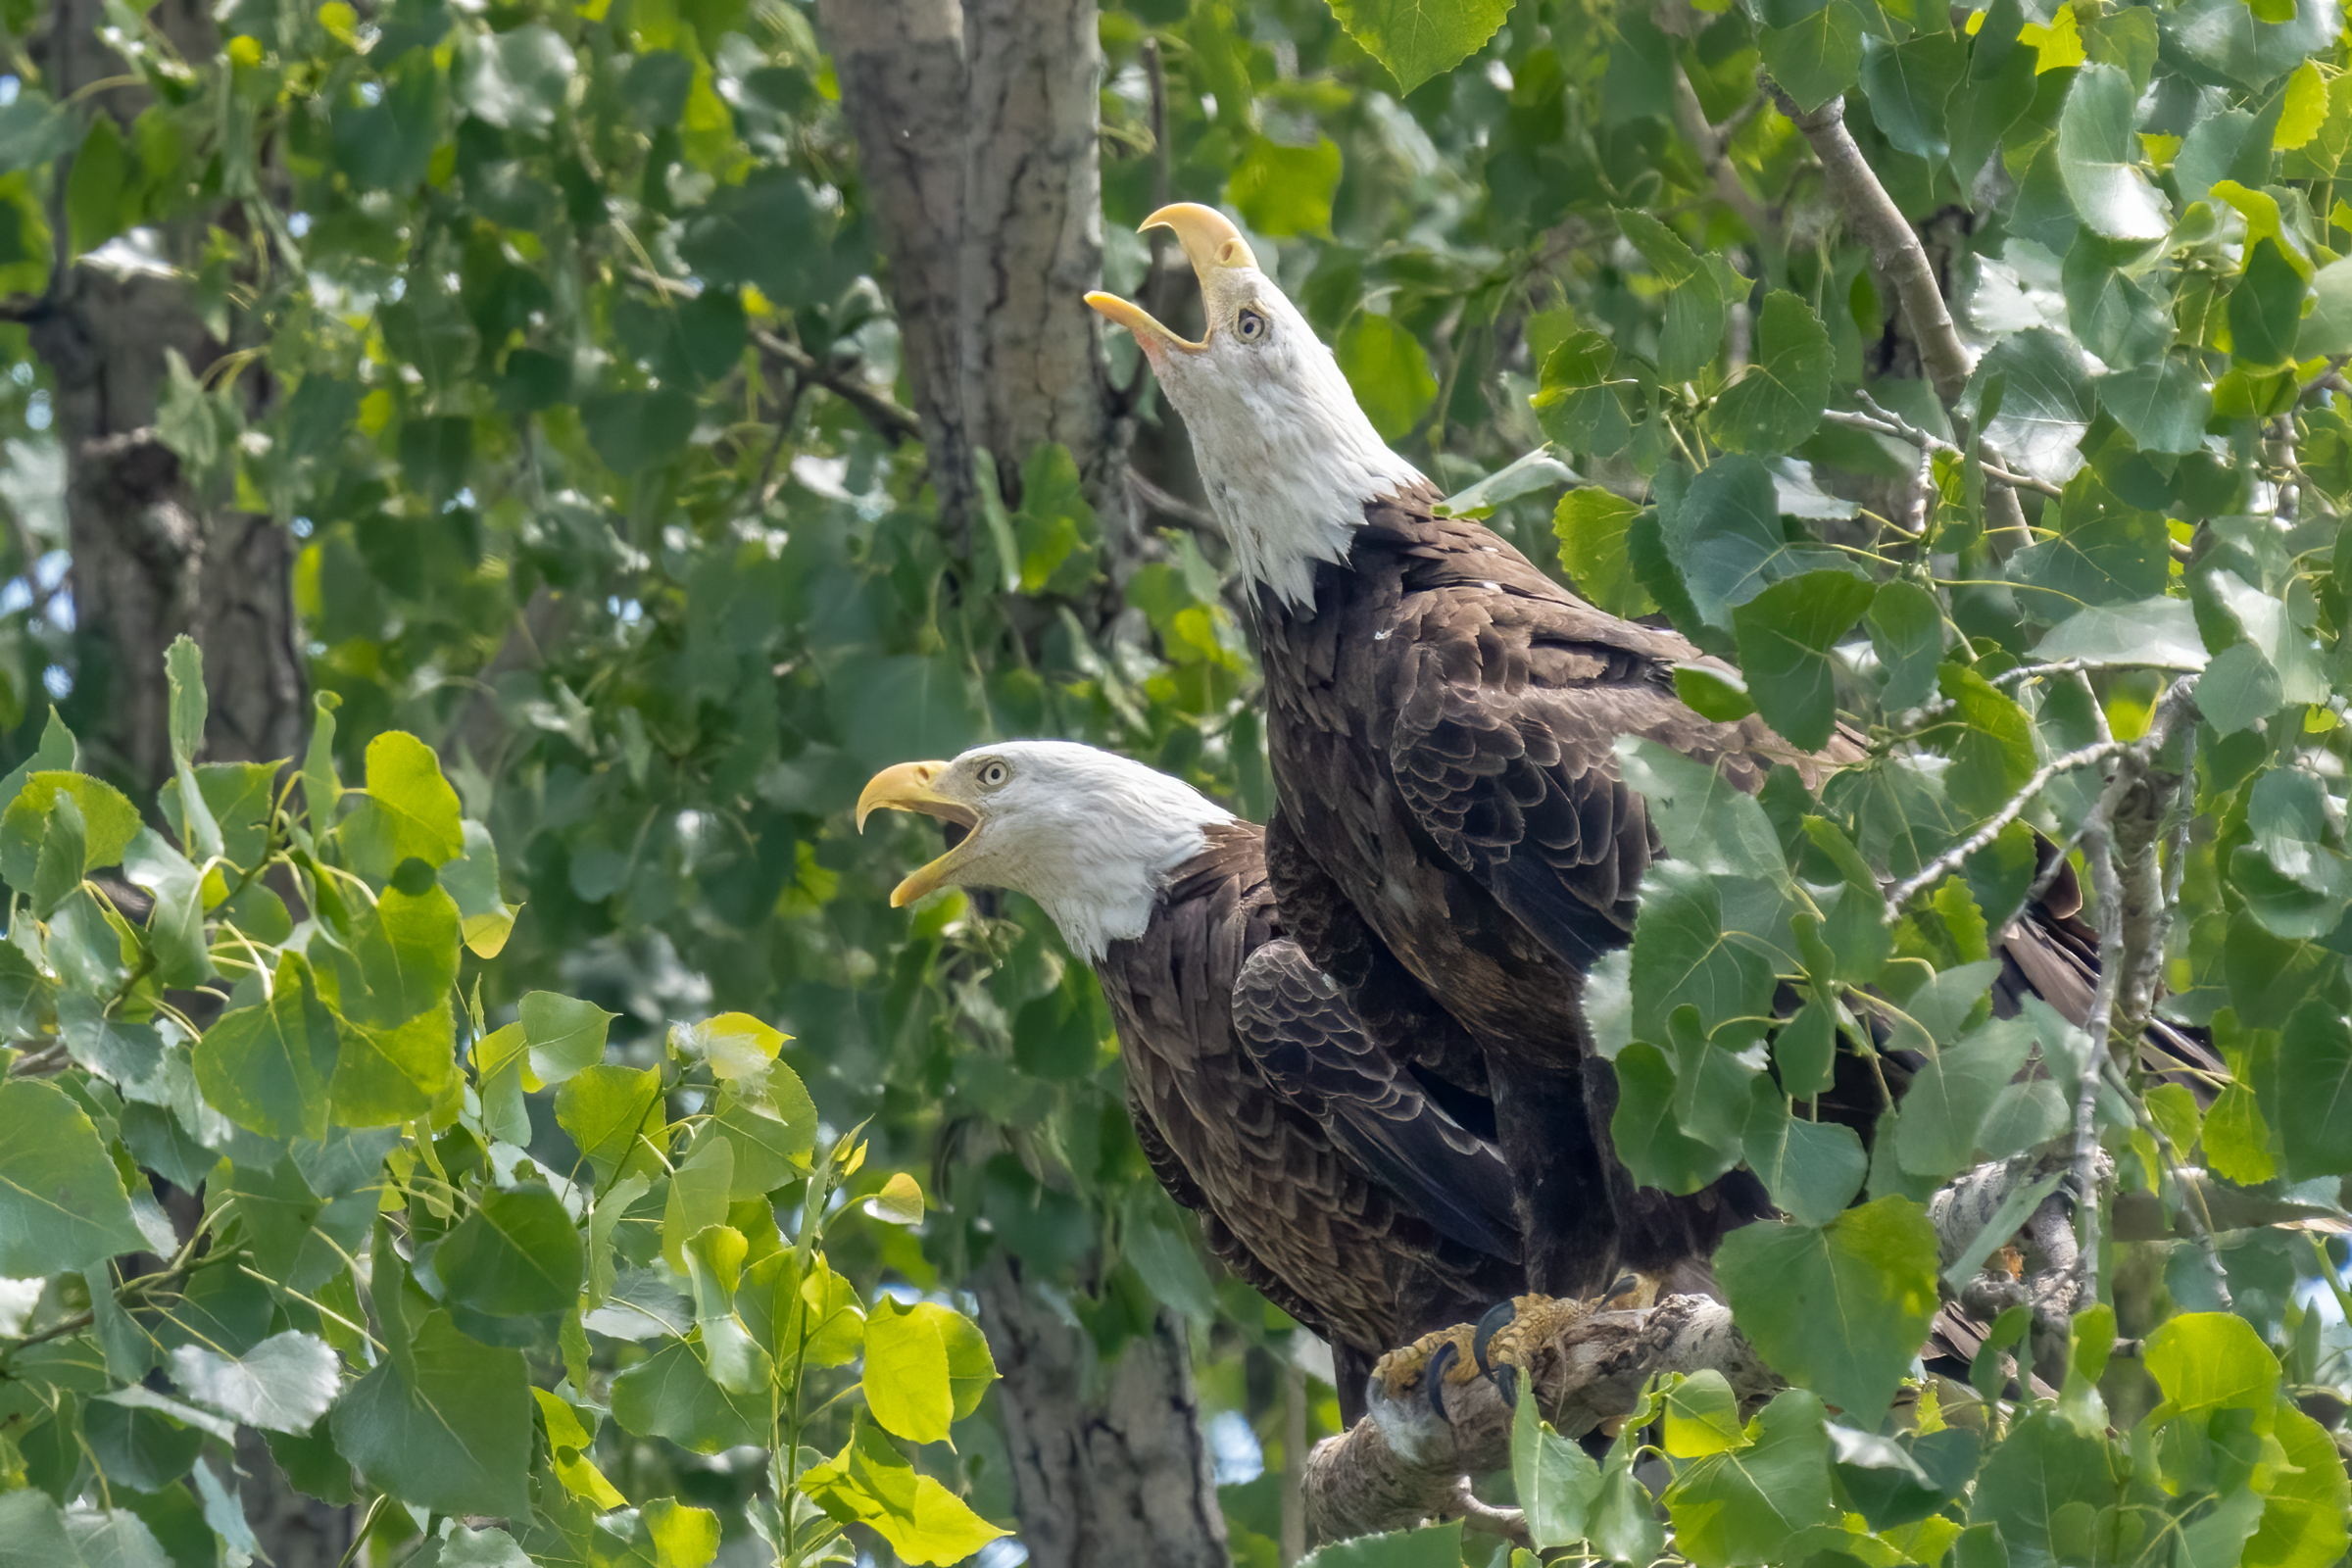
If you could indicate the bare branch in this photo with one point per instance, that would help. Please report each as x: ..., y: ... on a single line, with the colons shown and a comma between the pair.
x: 1953, y: 858
x: 1883, y: 423
x: 891, y: 422
x: 1902, y: 261
x: 1710, y: 142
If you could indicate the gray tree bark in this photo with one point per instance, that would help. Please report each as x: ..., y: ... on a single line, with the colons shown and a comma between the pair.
x: 977, y: 124
x: 1110, y: 1466
x: 151, y: 558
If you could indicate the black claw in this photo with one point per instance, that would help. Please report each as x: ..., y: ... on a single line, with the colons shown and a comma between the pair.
x: 1507, y: 1383
x: 1497, y: 1315
x: 1434, y: 1377
x: 1626, y: 1284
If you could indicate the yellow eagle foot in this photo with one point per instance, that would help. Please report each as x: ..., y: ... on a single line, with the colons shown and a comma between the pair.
x: 1506, y: 1341
x: 1428, y: 1364
x: 1499, y: 1346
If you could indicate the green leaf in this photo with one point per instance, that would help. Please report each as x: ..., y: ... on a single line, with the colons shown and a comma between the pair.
x: 1694, y: 301
x: 2266, y: 308
x: 514, y: 80
x: 1813, y: 1169
x: 714, y: 1266
x: 452, y: 1432
x: 671, y: 1394
x: 740, y: 1048
x: 1591, y: 524
x: 267, y: 1066
x: 1908, y: 85
x: 284, y: 1383
x: 1705, y: 818
x: 870, y: 1482
x: 62, y: 1205
x: 2046, y: 403
x: 905, y: 1374
x: 118, y: 1049
x: 2098, y: 157
x: 2156, y: 631
x: 2044, y: 1470
x: 1578, y: 403
x: 2303, y: 1518
x: 1684, y: 954
x: 1417, y: 39
x: 1786, y: 635
x: 407, y: 947
x: 2120, y: 558
x: 1812, y: 50
x: 1557, y: 1482
x: 1703, y: 1416
x: 1989, y: 738
x: 1388, y: 370
x: 1906, y: 632
x: 1840, y: 1309
x: 1649, y: 1138
x: 2313, y: 1108
x: 1778, y: 403
x: 2212, y: 1361
x: 413, y: 810
x: 697, y: 1196
x: 1282, y: 191
x: 108, y: 823
x: 385, y: 1076
x: 2164, y: 405
x: 606, y: 1109
x: 176, y: 925
x: 1749, y: 1505
x: 1944, y: 1109
x: 517, y: 1254
x: 1726, y: 540
x: 770, y: 1149
x: 564, y: 1035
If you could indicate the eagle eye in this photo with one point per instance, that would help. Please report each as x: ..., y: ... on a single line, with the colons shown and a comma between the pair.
x: 993, y: 773
x: 1252, y: 326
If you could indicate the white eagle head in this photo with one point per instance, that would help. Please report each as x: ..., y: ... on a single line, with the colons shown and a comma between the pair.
x: 1090, y: 836
x: 1286, y: 456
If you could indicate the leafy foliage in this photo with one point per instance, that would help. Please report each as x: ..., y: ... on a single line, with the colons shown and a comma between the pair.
x: 379, y: 1289
x: 598, y: 576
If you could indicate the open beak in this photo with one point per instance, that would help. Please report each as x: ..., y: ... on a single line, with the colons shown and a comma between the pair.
x: 914, y: 787
x: 1209, y: 241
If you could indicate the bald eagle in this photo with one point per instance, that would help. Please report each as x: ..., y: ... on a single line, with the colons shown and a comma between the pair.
x: 1452, y: 841
x: 1324, y: 1174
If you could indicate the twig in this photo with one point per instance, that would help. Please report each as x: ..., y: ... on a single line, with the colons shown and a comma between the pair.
x: 1172, y: 506
x: 2098, y: 849
x: 2329, y: 379
x: 1710, y: 142
x: 1900, y: 259
x: 1953, y: 858
x: 1884, y: 423
x: 891, y: 422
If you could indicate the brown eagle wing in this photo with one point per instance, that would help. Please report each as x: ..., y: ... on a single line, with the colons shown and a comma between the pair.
x: 1303, y: 1035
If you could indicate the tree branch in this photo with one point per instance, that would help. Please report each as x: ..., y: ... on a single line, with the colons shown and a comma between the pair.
x: 1881, y: 422
x: 1902, y: 261
x: 1953, y: 858
x: 1710, y: 142
x: 891, y: 422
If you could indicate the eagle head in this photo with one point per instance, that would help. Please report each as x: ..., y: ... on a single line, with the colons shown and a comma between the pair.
x: 1286, y: 456
x: 1090, y: 836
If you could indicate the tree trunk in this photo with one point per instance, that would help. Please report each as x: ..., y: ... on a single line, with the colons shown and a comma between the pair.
x: 977, y: 124
x: 978, y: 127
x: 900, y: 63
x: 150, y: 560
x: 1109, y: 1467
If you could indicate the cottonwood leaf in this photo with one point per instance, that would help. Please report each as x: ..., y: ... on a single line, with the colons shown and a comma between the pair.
x: 1840, y: 1309
x: 284, y: 1383
x: 1417, y: 39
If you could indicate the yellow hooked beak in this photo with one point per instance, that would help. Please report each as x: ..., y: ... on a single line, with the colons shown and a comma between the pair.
x: 1210, y: 243
x: 914, y: 787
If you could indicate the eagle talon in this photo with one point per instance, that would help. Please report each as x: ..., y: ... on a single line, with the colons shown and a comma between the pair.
x: 1507, y: 1383
x: 1433, y: 1377
x: 1493, y: 1323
